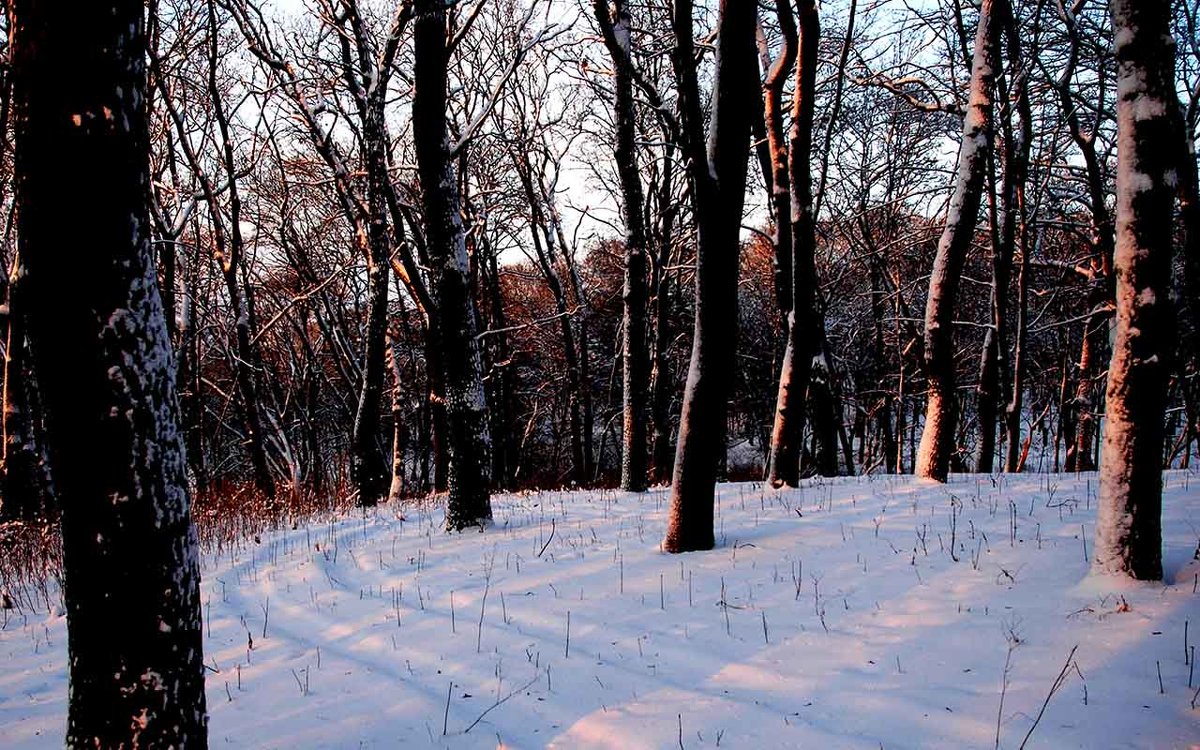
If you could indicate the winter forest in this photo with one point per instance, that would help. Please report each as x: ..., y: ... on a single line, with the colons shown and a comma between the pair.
x: 349, y: 346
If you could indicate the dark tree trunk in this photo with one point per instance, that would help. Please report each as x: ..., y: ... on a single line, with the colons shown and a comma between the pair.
x: 24, y: 491
x: 469, y: 444
x: 1129, y: 520
x: 661, y: 389
x: 617, y: 31
x: 369, y: 473
x: 941, y: 411
x: 107, y: 380
x: 718, y: 189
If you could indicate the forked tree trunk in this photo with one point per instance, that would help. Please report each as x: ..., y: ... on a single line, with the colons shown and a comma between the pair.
x: 1129, y: 520
x: 787, y: 432
x: 1013, y: 236
x: 718, y: 188
x: 106, y: 375
x: 941, y: 410
x: 469, y: 444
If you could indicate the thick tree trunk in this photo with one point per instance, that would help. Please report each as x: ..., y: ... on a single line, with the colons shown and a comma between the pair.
x: 941, y: 411
x: 107, y: 380
x: 803, y: 338
x: 718, y: 188
x: 469, y: 443
x: 1129, y: 520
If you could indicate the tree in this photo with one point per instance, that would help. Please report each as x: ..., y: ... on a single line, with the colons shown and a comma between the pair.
x: 458, y: 345
x: 941, y: 410
x: 617, y: 32
x: 803, y: 339
x: 106, y: 373
x: 718, y: 176
x: 1129, y: 517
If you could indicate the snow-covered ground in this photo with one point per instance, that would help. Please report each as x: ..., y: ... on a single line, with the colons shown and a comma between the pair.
x: 830, y: 616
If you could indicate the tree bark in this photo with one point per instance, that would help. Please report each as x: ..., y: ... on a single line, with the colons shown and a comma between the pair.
x: 95, y: 322
x: 24, y: 491
x: 787, y: 433
x: 617, y: 30
x: 1129, y: 520
x: 941, y: 411
x: 660, y: 374
x: 718, y: 189
x: 469, y: 444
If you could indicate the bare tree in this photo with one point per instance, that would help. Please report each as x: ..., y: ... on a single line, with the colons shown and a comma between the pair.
x: 466, y: 405
x: 95, y: 320
x: 1129, y: 520
x: 803, y: 338
x: 941, y: 411
x: 718, y: 180
x: 617, y: 30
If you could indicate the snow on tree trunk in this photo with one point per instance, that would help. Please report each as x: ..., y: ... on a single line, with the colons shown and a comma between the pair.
x: 396, y: 489
x: 941, y: 411
x: 617, y: 29
x: 468, y: 441
x: 1129, y: 520
x: 718, y: 188
x: 368, y: 470
x: 804, y: 351
x: 107, y: 379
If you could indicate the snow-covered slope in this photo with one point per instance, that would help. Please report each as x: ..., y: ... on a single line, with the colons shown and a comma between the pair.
x: 830, y: 616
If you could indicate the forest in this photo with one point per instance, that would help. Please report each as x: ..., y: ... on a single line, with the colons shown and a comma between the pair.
x: 273, y: 261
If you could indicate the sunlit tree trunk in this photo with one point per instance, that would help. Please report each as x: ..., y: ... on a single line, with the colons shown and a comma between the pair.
x: 941, y: 411
x: 1129, y: 519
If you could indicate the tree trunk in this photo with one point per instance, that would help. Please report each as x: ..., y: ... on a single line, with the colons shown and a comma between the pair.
x: 107, y: 380
x: 718, y: 189
x: 660, y: 375
x: 368, y: 471
x: 617, y: 30
x: 941, y: 410
x: 23, y: 492
x: 802, y: 345
x: 469, y: 443
x: 1129, y: 520
x: 776, y: 165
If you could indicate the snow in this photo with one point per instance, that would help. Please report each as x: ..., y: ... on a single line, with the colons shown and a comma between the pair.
x: 886, y: 641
